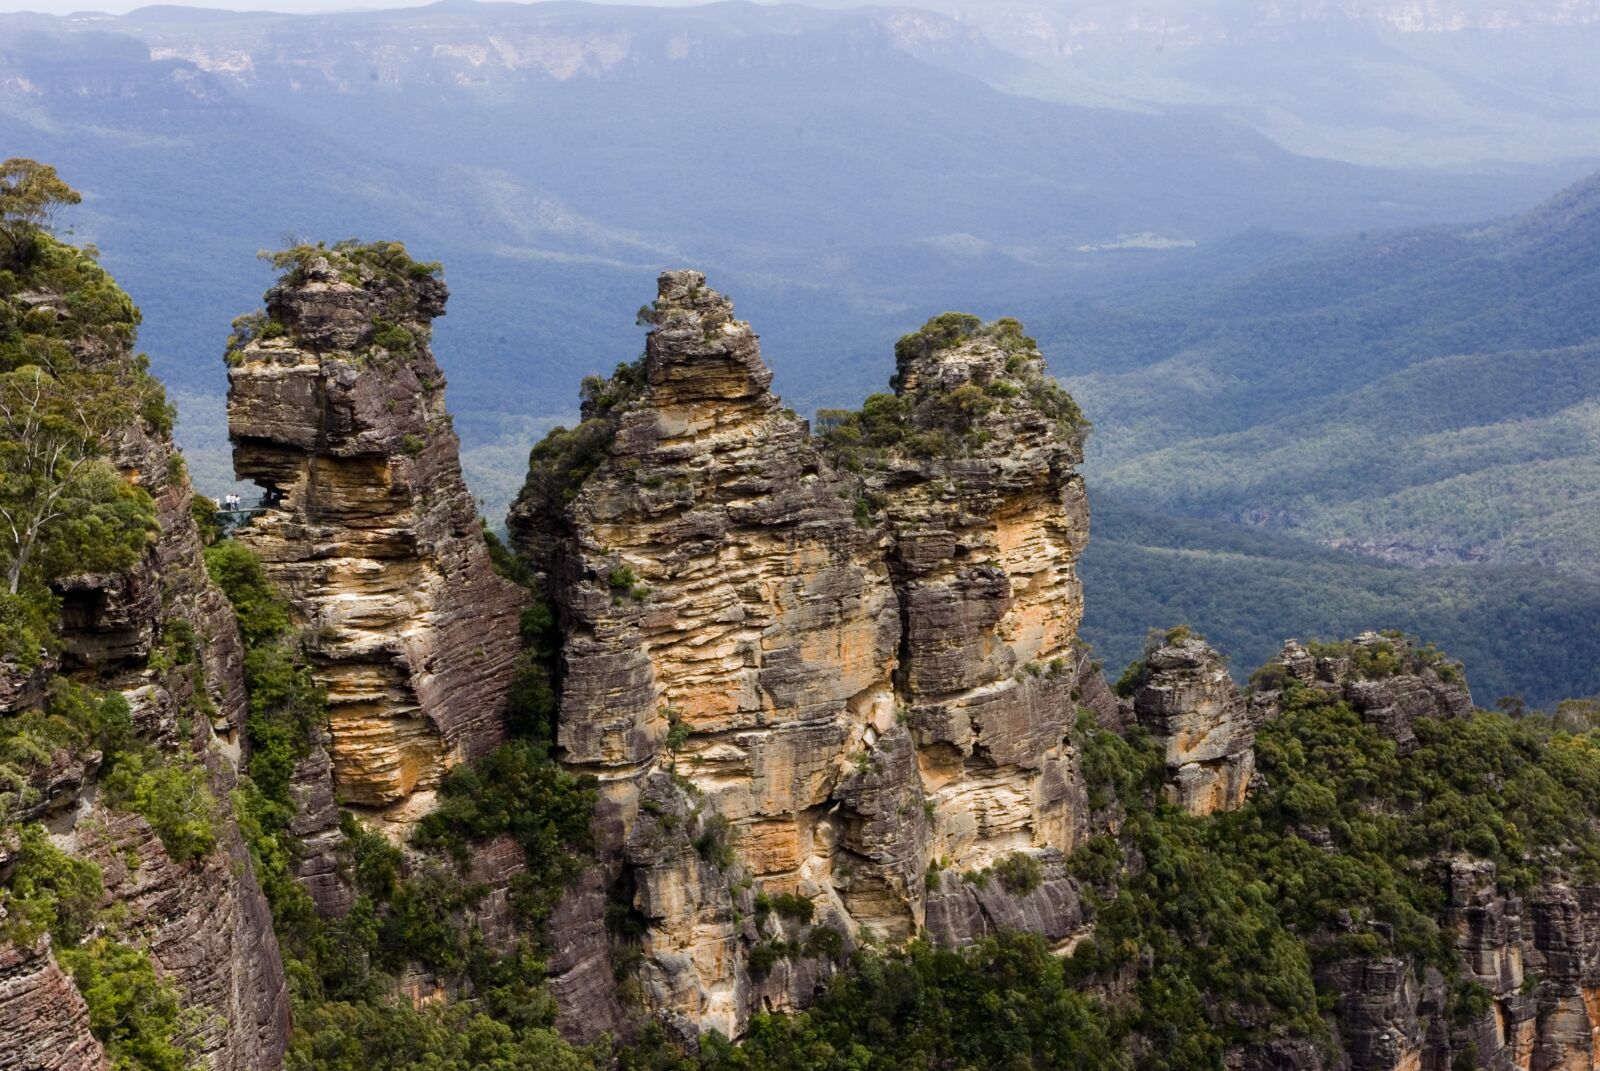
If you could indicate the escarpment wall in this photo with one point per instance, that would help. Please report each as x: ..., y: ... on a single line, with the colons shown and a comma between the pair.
x: 164, y: 636
x: 336, y: 409
x: 796, y: 680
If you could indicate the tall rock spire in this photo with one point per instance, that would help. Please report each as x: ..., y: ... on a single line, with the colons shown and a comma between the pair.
x: 809, y: 668
x: 336, y: 409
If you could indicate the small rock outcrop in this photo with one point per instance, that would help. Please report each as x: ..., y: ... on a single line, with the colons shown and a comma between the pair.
x: 336, y: 409
x: 1189, y: 704
x: 811, y: 669
x: 1385, y: 677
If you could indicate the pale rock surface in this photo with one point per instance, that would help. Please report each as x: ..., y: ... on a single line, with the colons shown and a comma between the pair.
x: 1206, y: 728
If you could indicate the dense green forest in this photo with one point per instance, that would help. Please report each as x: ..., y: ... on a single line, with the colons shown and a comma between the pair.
x: 1220, y: 929
x: 1521, y: 630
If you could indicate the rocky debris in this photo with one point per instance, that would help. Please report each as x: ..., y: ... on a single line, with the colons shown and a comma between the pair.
x: 336, y: 408
x: 44, y: 1023
x: 56, y: 785
x: 855, y: 668
x: 1386, y: 679
x: 24, y: 687
x: 1190, y: 705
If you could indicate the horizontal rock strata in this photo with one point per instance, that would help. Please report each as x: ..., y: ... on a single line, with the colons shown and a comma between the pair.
x: 336, y: 409
x: 797, y: 680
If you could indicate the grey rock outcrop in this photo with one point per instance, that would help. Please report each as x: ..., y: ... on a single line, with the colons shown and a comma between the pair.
x: 1386, y: 679
x: 1206, y: 728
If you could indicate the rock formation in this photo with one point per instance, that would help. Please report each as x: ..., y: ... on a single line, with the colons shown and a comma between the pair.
x: 1385, y: 679
x: 816, y: 679
x: 336, y: 409
x: 1188, y: 702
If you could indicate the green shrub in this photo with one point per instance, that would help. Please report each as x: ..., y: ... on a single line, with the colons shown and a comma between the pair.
x: 1019, y: 872
x: 392, y: 337
x: 793, y: 906
x: 48, y: 891
x: 261, y: 611
x: 133, y: 1012
x: 944, y: 331
x: 74, y: 718
x: 715, y: 841
x: 174, y: 798
x: 517, y: 789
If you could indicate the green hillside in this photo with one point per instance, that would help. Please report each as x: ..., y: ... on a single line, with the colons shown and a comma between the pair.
x: 1434, y: 395
x: 1519, y: 629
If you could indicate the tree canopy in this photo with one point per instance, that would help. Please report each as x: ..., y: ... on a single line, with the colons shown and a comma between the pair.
x: 30, y: 195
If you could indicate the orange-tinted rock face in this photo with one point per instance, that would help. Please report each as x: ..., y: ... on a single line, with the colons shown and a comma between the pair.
x: 858, y: 673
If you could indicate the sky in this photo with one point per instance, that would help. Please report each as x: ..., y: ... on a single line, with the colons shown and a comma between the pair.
x: 114, y: 7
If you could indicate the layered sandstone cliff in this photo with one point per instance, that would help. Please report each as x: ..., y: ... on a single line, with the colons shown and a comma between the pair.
x: 163, y: 635
x: 1205, y: 726
x: 802, y: 676
x: 336, y: 410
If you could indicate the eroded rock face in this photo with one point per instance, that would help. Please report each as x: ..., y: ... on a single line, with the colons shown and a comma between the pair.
x: 205, y: 924
x: 43, y: 1019
x: 798, y: 680
x: 336, y: 408
x: 1190, y: 705
x: 1533, y: 960
x: 985, y: 527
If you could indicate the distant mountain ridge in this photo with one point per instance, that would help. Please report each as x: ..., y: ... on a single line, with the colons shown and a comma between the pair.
x: 816, y: 159
x: 1436, y: 388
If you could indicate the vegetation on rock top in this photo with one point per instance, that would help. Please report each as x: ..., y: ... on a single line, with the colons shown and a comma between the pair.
x: 355, y: 261
x: 927, y: 422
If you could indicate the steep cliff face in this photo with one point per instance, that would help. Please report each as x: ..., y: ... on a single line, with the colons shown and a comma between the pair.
x: 336, y: 409
x: 206, y: 924
x: 1529, y: 960
x: 986, y: 517
x: 159, y: 634
x: 805, y: 682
